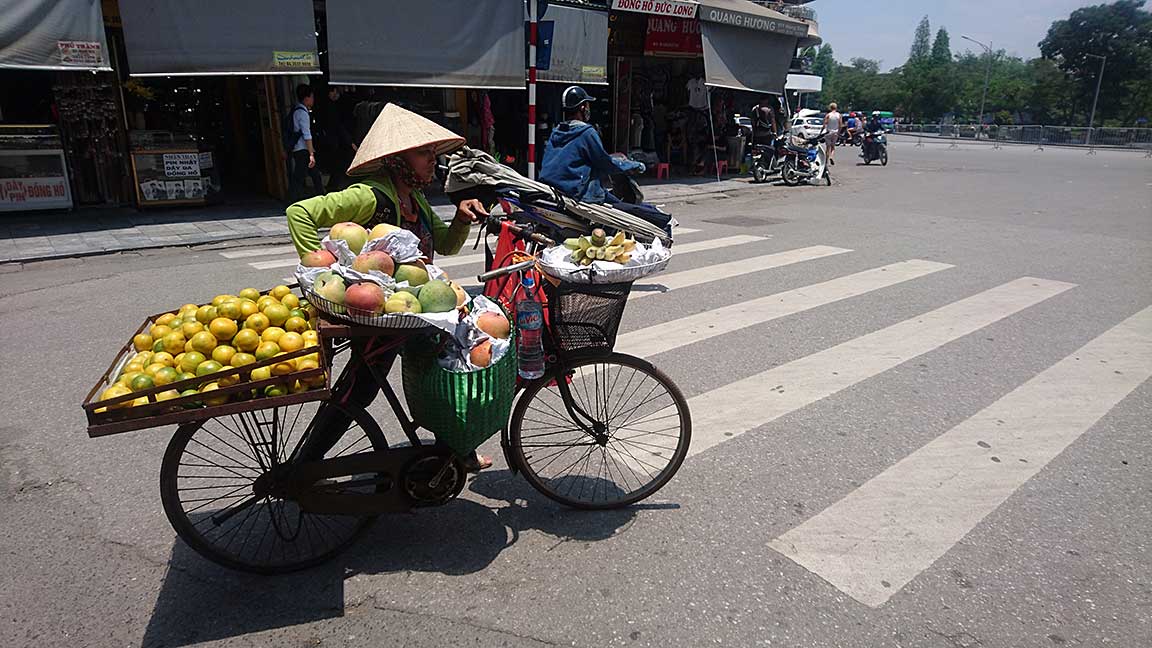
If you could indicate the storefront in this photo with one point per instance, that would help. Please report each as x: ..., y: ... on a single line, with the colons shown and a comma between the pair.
x: 681, y: 71
x: 61, y: 141
x: 206, y: 85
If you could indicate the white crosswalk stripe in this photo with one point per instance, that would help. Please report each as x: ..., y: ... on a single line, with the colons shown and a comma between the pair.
x: 258, y: 251
x: 878, y: 538
x: 766, y: 396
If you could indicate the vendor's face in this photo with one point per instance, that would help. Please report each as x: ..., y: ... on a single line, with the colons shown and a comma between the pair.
x: 422, y: 161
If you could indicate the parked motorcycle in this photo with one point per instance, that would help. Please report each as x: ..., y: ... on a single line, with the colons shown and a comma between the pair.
x: 875, y: 147
x: 806, y: 163
x: 766, y: 158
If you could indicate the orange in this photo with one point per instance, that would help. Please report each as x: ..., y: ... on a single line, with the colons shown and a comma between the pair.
x: 173, y: 342
x: 151, y: 369
x: 223, y: 328
x: 158, y: 346
x: 230, y: 310
x: 248, y: 307
x: 167, y: 395
x: 220, y: 299
x: 113, y: 392
x: 277, y: 313
x: 257, y: 322
x: 191, y: 360
x: 283, y: 368
x: 206, y: 314
x: 310, y: 337
x: 271, y: 334
x: 261, y: 373
x: 276, y: 390
x: 188, y: 346
x: 290, y: 300
x: 228, y: 381
x: 306, y: 363
x: 266, y: 301
x: 164, y: 358
x: 142, y: 342
x: 208, y: 367
x: 215, y: 400
x: 166, y: 376
x: 144, y: 357
x: 246, y: 340
x: 290, y: 342
x: 190, y: 329
x: 204, y: 342
x: 186, y: 375
x: 159, y: 330
x: 128, y: 377
x: 223, y: 354
x: 142, y: 382
x: 189, y: 307
x: 165, y: 319
x: 296, y: 325
x: 249, y: 293
x: 241, y: 359
x: 280, y: 291
x: 267, y: 350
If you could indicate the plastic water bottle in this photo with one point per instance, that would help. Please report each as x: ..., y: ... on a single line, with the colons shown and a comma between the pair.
x: 529, y: 322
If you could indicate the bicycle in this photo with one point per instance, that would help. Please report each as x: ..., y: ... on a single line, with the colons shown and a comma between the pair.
x: 273, y: 490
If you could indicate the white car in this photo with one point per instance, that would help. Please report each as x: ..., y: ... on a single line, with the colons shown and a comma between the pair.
x: 807, y: 124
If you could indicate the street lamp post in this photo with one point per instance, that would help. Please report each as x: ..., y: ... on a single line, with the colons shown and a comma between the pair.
x: 987, y: 73
x: 1099, y: 78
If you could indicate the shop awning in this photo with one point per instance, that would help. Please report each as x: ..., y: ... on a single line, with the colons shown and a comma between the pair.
x: 436, y: 43
x: 746, y: 46
x: 177, y: 37
x: 578, y: 45
x: 52, y: 35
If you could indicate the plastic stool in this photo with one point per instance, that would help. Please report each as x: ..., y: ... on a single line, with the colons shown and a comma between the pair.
x: 722, y: 167
x: 663, y: 170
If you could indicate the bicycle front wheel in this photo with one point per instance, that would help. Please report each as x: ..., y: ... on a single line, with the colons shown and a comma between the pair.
x: 601, y: 432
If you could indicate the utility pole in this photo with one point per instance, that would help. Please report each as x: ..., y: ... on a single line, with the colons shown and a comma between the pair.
x: 1099, y: 78
x: 987, y: 73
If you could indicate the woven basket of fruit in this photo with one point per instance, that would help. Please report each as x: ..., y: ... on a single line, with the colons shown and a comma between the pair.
x: 602, y: 259
x: 237, y: 353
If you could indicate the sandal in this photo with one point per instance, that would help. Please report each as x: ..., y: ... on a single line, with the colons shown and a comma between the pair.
x: 477, y: 462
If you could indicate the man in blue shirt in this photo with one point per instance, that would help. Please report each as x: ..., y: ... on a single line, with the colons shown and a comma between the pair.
x: 303, y: 156
x: 576, y: 163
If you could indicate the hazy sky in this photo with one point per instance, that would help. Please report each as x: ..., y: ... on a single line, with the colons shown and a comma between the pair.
x: 883, y: 29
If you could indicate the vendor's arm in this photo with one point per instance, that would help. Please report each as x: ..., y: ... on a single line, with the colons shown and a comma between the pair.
x: 449, y: 238
x: 355, y: 204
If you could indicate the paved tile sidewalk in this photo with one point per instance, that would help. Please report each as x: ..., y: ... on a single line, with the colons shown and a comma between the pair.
x: 38, y: 236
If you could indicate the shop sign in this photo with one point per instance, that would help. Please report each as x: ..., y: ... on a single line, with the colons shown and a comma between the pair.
x: 206, y: 160
x: 181, y: 165
x: 673, y: 36
x: 676, y: 8
x: 593, y: 72
x: 80, y: 52
x: 751, y: 21
x: 293, y: 59
x: 34, y: 192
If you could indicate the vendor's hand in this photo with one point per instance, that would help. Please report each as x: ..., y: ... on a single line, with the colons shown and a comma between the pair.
x: 471, y: 210
x: 311, y: 161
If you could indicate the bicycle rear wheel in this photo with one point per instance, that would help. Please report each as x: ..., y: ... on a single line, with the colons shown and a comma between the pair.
x: 218, y: 487
x: 620, y: 434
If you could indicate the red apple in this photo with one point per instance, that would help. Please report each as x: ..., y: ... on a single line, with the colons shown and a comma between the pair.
x: 365, y: 299
x: 494, y: 324
x: 375, y: 260
x: 351, y: 233
x: 318, y: 259
x: 481, y: 355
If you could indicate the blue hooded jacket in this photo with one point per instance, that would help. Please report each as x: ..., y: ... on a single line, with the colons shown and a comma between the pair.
x: 575, y: 162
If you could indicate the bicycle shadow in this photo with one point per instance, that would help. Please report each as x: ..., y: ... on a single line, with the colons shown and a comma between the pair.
x: 200, y: 601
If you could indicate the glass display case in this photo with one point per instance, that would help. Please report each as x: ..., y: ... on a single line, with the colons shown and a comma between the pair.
x: 33, y: 173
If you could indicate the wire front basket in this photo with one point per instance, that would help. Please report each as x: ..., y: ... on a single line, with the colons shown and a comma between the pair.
x: 585, y: 317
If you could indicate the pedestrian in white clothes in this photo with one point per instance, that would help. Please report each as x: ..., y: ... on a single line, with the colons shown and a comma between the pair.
x: 832, y: 122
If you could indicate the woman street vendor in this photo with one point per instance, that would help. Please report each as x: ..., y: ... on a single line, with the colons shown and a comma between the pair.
x: 393, y: 165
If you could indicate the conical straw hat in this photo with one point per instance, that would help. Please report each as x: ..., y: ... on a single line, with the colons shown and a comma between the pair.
x: 396, y: 130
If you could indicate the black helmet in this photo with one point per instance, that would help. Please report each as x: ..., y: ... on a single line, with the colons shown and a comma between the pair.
x: 574, y: 96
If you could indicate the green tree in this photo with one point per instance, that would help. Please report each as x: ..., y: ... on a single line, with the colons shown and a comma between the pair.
x: 920, y: 49
x: 1121, y: 31
x: 941, y: 48
x: 867, y: 66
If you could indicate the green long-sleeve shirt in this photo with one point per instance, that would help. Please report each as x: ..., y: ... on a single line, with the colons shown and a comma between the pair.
x: 357, y: 204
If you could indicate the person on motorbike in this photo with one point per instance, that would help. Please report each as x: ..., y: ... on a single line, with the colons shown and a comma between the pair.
x: 576, y: 163
x: 395, y: 162
x: 873, y: 126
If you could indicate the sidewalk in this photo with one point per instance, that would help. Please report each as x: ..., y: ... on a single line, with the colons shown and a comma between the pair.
x: 35, y: 236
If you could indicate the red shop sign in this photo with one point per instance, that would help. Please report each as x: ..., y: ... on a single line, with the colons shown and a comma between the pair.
x: 667, y: 35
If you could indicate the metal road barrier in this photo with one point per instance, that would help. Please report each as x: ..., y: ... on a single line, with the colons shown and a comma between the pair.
x: 1040, y: 136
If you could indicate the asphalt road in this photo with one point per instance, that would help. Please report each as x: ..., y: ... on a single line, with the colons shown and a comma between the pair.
x: 927, y: 426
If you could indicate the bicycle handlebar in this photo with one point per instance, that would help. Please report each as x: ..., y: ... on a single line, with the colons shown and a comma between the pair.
x: 506, y: 270
x: 494, y: 227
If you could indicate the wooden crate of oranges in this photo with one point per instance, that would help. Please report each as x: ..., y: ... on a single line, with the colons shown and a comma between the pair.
x: 237, y: 353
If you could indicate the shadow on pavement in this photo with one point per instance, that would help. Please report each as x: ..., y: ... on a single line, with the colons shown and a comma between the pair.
x: 200, y: 601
